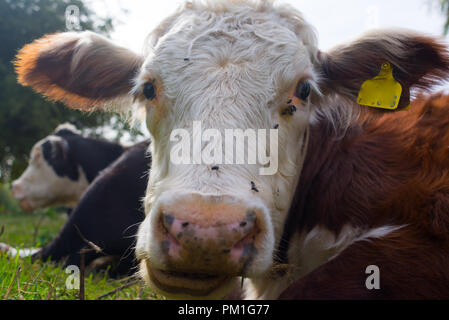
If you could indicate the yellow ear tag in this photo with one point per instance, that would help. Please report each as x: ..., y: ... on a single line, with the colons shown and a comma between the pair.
x: 383, y: 91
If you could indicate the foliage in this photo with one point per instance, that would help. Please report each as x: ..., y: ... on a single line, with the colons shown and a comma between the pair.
x: 26, y: 117
x: 7, y: 202
x: 445, y: 11
x: 47, y: 281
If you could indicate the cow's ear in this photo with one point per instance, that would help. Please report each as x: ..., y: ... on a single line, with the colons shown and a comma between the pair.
x: 83, y: 70
x: 56, y: 148
x: 417, y: 61
x: 56, y: 152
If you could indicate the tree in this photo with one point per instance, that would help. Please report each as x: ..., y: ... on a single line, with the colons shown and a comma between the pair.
x: 26, y: 117
x: 445, y: 10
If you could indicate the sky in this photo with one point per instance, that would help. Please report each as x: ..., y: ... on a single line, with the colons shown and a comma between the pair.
x: 335, y: 21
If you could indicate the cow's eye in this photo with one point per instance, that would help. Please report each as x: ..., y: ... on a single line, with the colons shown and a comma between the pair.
x: 149, y: 91
x: 303, y: 90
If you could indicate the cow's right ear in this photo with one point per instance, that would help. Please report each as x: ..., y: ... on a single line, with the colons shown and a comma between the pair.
x: 83, y: 70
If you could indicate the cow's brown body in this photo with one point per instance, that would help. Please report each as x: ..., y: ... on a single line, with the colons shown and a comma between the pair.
x: 392, y: 170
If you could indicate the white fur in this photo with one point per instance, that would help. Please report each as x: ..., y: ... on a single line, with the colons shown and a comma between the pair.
x: 68, y: 126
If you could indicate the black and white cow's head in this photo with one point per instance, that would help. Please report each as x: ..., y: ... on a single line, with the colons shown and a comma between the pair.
x: 228, y: 65
x: 53, y: 176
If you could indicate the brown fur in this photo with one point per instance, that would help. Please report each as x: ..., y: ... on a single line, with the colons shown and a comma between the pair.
x: 80, y: 75
x: 392, y: 170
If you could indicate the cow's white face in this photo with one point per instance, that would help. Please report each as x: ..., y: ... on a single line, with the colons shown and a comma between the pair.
x: 237, y: 69
x: 40, y: 186
x: 226, y: 65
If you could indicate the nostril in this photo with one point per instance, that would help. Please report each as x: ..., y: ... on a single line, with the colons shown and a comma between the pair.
x: 249, y: 223
x: 174, y: 229
x: 167, y: 221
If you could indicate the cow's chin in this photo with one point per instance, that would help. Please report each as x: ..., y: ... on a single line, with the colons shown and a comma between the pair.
x: 186, y: 286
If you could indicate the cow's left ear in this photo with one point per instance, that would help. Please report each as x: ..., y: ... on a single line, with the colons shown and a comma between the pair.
x: 84, y: 70
x: 417, y: 61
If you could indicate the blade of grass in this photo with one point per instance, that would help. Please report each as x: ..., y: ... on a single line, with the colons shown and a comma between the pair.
x: 116, y: 290
x: 12, y: 282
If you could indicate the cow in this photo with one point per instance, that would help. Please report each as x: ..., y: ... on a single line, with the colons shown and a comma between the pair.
x: 335, y: 205
x: 106, y: 218
x: 61, y: 167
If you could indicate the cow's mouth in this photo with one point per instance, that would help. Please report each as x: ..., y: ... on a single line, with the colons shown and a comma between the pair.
x: 179, y: 284
x: 26, y: 205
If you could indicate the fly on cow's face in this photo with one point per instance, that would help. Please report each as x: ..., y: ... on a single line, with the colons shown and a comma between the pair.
x: 253, y: 187
x: 290, y: 110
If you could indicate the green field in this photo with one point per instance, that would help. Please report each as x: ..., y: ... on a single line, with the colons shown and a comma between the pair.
x: 22, y: 279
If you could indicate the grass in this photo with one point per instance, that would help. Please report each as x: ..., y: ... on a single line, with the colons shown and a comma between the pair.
x: 20, y: 278
x: 28, y: 230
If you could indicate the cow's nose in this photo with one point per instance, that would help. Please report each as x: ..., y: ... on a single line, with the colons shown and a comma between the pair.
x: 210, y: 238
x: 16, y: 190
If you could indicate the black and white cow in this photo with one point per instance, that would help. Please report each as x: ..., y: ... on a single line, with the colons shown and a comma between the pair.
x: 61, y: 167
x: 108, y: 215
